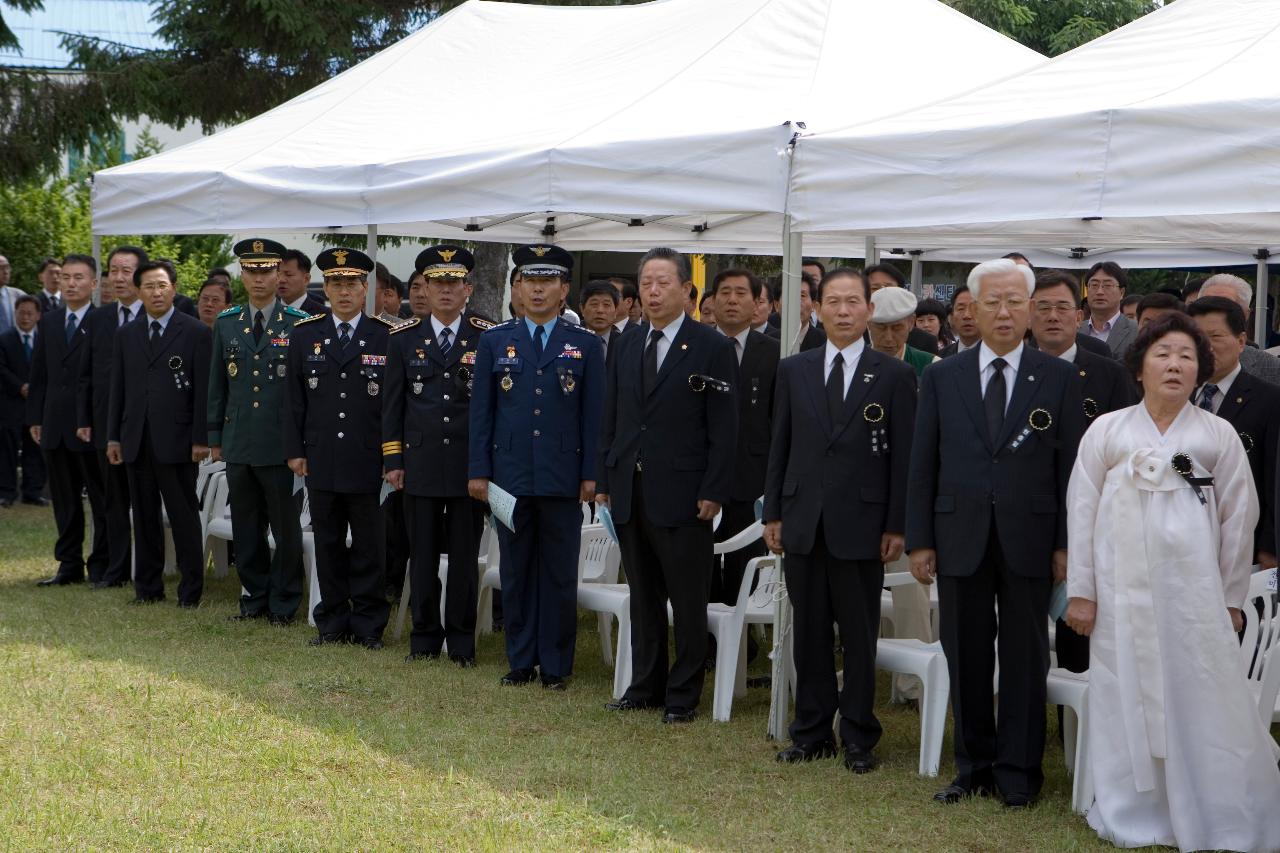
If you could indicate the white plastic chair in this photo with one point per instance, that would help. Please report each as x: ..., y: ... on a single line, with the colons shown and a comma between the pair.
x: 926, y: 662
x: 490, y: 580
x: 1071, y: 691
x: 1261, y: 637
x: 612, y: 601
x: 215, y: 525
x: 728, y: 624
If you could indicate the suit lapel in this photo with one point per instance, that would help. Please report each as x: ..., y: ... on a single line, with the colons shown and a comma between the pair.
x: 971, y: 391
x: 675, y: 353
x: 73, y: 346
x: 332, y: 344
x: 1236, y: 398
x: 167, y: 337
x: 861, y: 383
x: 553, y: 346
x: 1024, y: 388
x: 817, y: 387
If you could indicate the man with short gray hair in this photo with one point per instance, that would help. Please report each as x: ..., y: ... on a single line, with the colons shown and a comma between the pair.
x: 1253, y: 360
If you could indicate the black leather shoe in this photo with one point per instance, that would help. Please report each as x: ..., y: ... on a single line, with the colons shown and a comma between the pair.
x: 327, y: 639
x: 147, y: 599
x: 107, y: 584
x: 413, y: 656
x: 517, y: 677
x: 33, y: 502
x: 464, y: 661
x: 60, y: 580
x: 280, y: 621
x: 1017, y: 801
x: 554, y: 682
x: 956, y: 792
x: 188, y: 605
x: 373, y: 644
x: 797, y: 752
x: 678, y: 715
x: 859, y: 760
x: 247, y: 617
x: 625, y: 704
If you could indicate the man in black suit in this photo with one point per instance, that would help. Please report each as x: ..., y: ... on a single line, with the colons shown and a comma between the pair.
x: 51, y: 419
x: 294, y: 282
x: 333, y: 437
x: 986, y: 516
x: 736, y: 292
x: 811, y: 333
x: 157, y: 431
x: 93, y: 400
x: 431, y: 366
x: 1251, y: 406
x: 667, y: 455
x: 17, y: 346
x: 598, y: 305
x: 963, y: 323
x: 835, y: 501
x: 1104, y: 384
x: 49, y: 274
x: 628, y: 316
x: 763, y: 310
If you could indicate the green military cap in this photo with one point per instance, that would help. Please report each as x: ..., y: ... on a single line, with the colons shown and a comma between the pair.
x: 256, y: 253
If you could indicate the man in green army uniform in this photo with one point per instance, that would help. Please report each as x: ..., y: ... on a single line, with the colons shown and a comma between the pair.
x: 246, y: 398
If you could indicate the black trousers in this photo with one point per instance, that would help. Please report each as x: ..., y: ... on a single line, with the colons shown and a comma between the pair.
x: 824, y: 589
x: 666, y: 563
x: 394, y: 513
x: 538, y: 564
x: 18, y: 449
x: 151, y: 482
x: 353, y: 600
x: 118, y: 491
x: 450, y: 526
x: 1008, y: 750
x: 71, y: 474
x: 262, y: 495
x: 735, y: 516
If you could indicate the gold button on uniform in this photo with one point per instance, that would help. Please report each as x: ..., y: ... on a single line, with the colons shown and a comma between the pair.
x: 255, y: 404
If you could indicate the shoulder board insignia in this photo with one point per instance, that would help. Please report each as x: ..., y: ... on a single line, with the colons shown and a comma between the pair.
x: 481, y: 323
x: 232, y: 310
x: 295, y: 312
x: 504, y: 325
x: 311, y: 319
x: 387, y: 323
x: 407, y: 324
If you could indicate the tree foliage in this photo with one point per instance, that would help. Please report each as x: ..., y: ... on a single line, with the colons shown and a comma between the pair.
x: 1054, y: 26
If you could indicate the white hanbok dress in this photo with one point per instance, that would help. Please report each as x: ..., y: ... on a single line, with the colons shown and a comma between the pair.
x: 1179, y: 752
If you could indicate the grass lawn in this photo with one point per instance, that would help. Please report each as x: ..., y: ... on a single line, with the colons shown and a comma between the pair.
x: 151, y: 728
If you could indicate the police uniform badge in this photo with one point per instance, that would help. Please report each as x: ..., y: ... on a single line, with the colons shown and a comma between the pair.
x: 417, y: 386
x: 232, y: 369
x: 506, y: 383
x: 372, y: 388
x: 567, y: 382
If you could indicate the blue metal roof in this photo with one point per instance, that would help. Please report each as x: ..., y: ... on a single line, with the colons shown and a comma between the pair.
x: 39, y: 33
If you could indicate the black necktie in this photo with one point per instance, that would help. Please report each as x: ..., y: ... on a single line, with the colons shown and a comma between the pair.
x: 537, y: 341
x: 344, y: 336
x: 651, y: 362
x: 1207, y: 393
x: 994, y: 401
x: 445, y: 343
x: 71, y: 326
x: 125, y: 314
x: 155, y: 331
x: 26, y: 344
x: 257, y: 327
x: 835, y: 389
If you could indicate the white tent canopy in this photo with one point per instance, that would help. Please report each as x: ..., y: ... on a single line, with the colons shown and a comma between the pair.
x: 662, y: 123
x: 1163, y: 133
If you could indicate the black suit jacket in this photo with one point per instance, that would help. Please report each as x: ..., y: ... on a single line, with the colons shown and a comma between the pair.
x: 425, y: 407
x: 185, y: 305
x: 312, y: 304
x: 93, y: 393
x: 333, y: 408
x: 160, y: 389
x: 834, y: 471
x: 15, y: 371
x: 814, y: 337
x: 55, y: 376
x: 1095, y: 346
x: 756, y: 376
x: 1252, y: 407
x: 923, y: 341
x: 686, y: 439
x: 960, y: 476
x: 46, y: 304
x: 772, y: 331
x: 950, y: 349
x: 1105, y: 385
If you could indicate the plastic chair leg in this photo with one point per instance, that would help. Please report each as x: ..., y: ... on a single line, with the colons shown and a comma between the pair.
x: 933, y: 716
x: 404, y: 608
x: 622, y: 667
x: 605, y: 622
x: 484, y: 611
x: 740, y: 676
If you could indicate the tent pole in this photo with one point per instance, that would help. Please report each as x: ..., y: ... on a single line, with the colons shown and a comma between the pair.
x: 371, y: 249
x: 917, y: 273
x: 792, y: 257
x: 870, y: 252
x: 1260, y: 299
x: 97, y: 257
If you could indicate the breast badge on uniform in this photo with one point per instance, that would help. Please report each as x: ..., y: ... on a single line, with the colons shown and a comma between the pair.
x: 506, y: 384
x: 417, y: 385
x: 232, y: 369
x: 567, y: 382
x: 372, y: 388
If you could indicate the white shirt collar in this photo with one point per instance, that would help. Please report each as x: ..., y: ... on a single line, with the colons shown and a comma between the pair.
x: 1227, y: 381
x: 762, y: 327
x: 622, y: 324
x: 851, y: 353
x: 297, y: 303
x: 78, y: 312
x: 1070, y: 354
x: 52, y: 295
x: 961, y: 346
x: 986, y: 355
x: 354, y: 322
x: 741, y: 337
x: 671, y: 329
x: 162, y: 320
x: 436, y: 326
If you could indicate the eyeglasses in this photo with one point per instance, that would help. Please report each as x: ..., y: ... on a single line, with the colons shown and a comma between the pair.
x: 1013, y: 303
x: 1104, y: 286
x: 1055, y: 308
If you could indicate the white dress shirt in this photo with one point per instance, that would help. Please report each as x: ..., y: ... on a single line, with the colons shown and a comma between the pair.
x: 1070, y: 354
x: 134, y: 308
x: 437, y: 327
x: 78, y: 314
x: 852, y: 355
x: 961, y: 346
x: 353, y: 323
x: 985, y: 371
x: 1223, y: 387
x: 297, y: 303
x: 163, y: 321
x: 668, y: 335
x: 740, y: 342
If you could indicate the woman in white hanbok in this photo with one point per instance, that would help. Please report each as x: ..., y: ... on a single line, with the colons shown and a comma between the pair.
x: 1161, y: 510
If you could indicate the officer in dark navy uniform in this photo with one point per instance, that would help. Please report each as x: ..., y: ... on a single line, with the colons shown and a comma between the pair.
x: 333, y: 437
x: 246, y: 395
x: 430, y: 371
x: 535, y: 417
x: 157, y: 429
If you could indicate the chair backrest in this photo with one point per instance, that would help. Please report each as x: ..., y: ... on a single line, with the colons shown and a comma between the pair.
x: 1261, y: 628
x: 595, y: 553
x: 215, y: 500
x: 759, y: 585
x: 204, y: 474
x: 304, y: 515
x: 749, y: 535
